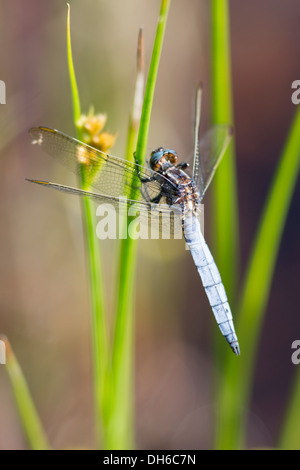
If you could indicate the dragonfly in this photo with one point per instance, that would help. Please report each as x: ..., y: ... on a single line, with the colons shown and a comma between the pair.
x: 164, y: 186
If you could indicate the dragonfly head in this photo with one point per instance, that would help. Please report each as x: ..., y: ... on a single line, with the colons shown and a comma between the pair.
x: 162, y: 158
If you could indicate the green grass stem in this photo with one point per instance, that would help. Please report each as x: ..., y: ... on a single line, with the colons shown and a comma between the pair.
x: 225, y: 206
x: 114, y: 387
x: 141, y: 146
x: 29, y: 417
x: 92, y: 249
x: 225, y: 200
x: 123, y: 339
x: 122, y: 433
x: 235, y: 388
x: 289, y: 434
x: 238, y: 377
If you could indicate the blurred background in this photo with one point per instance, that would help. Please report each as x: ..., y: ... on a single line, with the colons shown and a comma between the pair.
x: 44, y: 304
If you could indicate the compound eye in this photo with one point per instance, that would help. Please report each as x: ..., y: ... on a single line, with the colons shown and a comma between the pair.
x: 171, y: 156
x: 155, y: 158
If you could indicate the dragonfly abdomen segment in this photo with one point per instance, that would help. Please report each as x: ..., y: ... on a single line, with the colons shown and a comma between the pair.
x: 211, y: 280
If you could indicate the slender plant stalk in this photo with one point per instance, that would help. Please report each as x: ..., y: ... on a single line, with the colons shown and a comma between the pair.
x: 122, y: 428
x: 29, y: 417
x: 122, y: 406
x: 99, y: 327
x: 114, y: 410
x: 225, y: 207
x: 236, y: 389
x: 289, y: 438
x: 135, y: 115
x: 151, y: 81
x: 73, y: 81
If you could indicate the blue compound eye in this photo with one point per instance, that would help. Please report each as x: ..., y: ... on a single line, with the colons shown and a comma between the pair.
x: 171, y: 156
x: 156, y: 157
x: 170, y: 151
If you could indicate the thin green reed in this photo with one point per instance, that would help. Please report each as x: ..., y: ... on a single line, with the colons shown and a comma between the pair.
x: 235, y: 387
x: 122, y: 348
x: 99, y: 327
x: 113, y: 369
x: 225, y: 200
x: 122, y: 432
x: 289, y: 433
x: 30, y: 420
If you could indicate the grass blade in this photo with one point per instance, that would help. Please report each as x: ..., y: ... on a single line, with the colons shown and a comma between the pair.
x: 236, y: 388
x: 135, y: 115
x: 225, y: 205
x: 141, y: 146
x: 289, y: 439
x: 73, y: 82
x: 122, y: 406
x: 99, y: 327
x: 30, y: 420
x: 123, y: 339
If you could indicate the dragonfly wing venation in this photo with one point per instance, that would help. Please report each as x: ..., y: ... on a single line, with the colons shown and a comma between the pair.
x: 162, y: 221
x: 106, y: 173
x: 212, y: 147
x: 196, y: 163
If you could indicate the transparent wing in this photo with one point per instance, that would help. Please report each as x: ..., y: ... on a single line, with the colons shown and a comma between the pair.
x: 212, y: 147
x: 198, y: 103
x: 161, y: 220
x: 113, y: 177
x: 110, y: 175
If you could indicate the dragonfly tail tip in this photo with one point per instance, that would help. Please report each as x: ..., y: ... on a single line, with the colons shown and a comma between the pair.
x: 235, y: 348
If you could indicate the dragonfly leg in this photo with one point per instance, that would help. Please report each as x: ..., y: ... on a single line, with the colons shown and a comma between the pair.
x: 182, y: 165
x: 146, y: 196
x: 156, y: 199
x: 141, y: 178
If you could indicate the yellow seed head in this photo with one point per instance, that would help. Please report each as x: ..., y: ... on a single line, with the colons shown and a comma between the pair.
x: 91, y: 126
